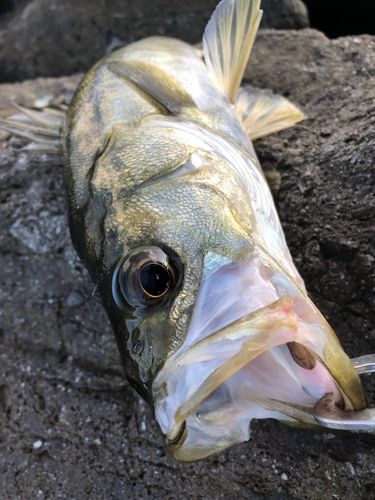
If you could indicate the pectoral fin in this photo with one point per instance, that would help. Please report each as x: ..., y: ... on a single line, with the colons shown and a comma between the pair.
x: 155, y: 84
x: 262, y: 113
x: 227, y: 42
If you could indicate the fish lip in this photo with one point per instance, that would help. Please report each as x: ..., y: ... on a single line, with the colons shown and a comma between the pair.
x: 178, y: 441
x: 176, y: 436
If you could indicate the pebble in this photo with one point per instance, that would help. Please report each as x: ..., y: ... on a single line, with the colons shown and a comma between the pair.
x: 74, y: 299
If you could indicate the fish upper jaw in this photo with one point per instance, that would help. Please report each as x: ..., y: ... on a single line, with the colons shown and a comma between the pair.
x: 256, y: 347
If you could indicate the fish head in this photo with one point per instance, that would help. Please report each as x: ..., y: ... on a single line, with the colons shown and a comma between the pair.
x: 213, y: 330
x: 149, y: 251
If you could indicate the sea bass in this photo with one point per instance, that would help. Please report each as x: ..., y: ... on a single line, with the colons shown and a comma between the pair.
x: 172, y: 216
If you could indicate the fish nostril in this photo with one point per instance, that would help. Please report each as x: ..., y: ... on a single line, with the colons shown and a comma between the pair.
x: 301, y: 355
x: 138, y: 347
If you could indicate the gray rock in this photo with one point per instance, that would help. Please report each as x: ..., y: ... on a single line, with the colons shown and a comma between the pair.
x: 284, y: 14
x: 51, y: 38
x: 70, y: 426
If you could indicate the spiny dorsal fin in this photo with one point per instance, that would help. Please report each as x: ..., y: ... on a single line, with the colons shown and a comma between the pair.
x: 41, y: 127
x: 262, y: 113
x: 156, y: 83
x: 44, y: 116
x: 227, y: 42
x: 25, y: 125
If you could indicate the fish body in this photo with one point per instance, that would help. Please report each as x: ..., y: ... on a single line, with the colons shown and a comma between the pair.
x: 172, y: 216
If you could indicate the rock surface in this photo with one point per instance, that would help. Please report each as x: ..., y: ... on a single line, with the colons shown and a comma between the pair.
x: 70, y: 426
x: 52, y: 38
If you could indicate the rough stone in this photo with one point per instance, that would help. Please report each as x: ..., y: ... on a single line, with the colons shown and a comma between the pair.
x: 52, y: 38
x: 284, y: 14
x: 60, y: 377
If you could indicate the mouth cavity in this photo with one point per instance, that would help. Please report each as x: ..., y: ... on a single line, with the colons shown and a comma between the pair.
x: 273, y: 362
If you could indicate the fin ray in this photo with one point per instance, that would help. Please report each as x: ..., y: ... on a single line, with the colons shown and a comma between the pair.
x: 12, y: 122
x: 42, y: 148
x: 262, y: 113
x: 227, y: 42
x: 40, y: 127
x: 27, y: 134
x: 44, y: 118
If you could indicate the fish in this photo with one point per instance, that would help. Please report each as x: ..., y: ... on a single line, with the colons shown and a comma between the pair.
x: 172, y: 215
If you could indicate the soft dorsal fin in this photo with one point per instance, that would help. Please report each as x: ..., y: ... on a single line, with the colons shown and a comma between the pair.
x: 262, y: 113
x: 155, y: 83
x: 227, y: 42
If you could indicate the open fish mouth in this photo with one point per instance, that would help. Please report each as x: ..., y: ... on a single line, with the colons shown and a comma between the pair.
x: 256, y: 347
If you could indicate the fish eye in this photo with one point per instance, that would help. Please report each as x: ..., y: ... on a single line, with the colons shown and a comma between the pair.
x: 155, y: 279
x: 146, y: 276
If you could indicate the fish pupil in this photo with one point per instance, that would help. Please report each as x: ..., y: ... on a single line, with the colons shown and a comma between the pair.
x: 155, y: 279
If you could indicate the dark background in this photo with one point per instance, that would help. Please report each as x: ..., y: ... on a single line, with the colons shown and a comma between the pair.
x: 334, y: 17
x: 342, y: 17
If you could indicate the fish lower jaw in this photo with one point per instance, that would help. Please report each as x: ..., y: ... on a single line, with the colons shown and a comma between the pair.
x: 207, y: 396
x: 223, y: 419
